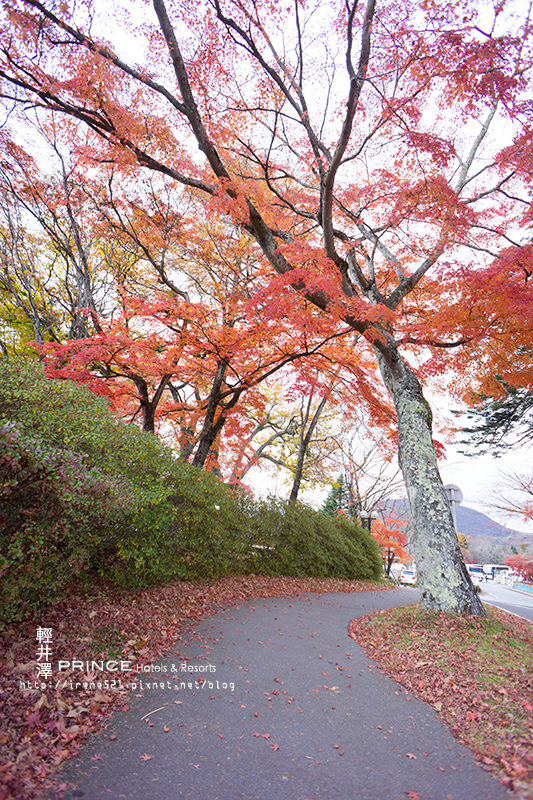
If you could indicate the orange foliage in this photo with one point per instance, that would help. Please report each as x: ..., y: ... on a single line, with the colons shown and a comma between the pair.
x: 392, y: 208
x: 390, y: 535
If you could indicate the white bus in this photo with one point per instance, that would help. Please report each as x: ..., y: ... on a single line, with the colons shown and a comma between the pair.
x: 497, y: 572
x: 477, y: 572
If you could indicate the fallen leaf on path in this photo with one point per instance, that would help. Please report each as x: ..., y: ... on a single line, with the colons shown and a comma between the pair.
x: 144, y: 626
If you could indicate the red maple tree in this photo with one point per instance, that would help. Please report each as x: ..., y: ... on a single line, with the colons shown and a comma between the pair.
x: 390, y: 536
x: 371, y: 185
x: 522, y: 564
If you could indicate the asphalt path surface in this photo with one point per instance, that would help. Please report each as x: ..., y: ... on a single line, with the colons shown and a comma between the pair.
x: 516, y: 602
x: 291, y: 709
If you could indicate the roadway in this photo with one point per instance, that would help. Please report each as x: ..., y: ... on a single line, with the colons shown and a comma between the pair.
x: 500, y: 595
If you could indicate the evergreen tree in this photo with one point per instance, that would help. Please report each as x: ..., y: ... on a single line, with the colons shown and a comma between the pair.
x: 499, y: 417
x: 339, y: 499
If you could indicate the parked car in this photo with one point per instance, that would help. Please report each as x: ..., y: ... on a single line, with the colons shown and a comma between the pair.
x: 408, y: 575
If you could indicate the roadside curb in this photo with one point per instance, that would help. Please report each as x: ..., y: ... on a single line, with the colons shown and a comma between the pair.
x: 513, y: 613
x: 513, y: 589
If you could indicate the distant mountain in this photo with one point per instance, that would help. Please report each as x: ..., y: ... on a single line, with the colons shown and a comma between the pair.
x: 474, y: 523
x: 487, y: 540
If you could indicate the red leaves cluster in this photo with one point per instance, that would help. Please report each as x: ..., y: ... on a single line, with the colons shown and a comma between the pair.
x: 390, y: 535
x: 474, y: 673
x: 522, y: 563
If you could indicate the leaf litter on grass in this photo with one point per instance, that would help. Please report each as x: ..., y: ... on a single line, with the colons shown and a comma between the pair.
x: 475, y: 672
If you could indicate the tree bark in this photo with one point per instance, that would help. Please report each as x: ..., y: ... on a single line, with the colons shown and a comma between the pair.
x: 446, y: 584
x: 148, y: 407
x: 305, y: 438
x: 210, y: 429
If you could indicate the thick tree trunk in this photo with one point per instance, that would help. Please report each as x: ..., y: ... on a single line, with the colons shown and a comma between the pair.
x: 149, y: 407
x: 211, y: 427
x: 446, y: 584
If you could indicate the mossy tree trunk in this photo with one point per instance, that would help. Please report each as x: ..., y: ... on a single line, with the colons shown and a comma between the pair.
x: 445, y: 581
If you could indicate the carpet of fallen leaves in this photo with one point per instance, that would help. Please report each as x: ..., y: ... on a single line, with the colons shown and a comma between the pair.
x: 476, y: 673
x: 41, y: 729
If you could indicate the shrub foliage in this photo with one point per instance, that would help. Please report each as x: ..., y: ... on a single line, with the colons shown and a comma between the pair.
x: 57, y: 517
x: 81, y: 492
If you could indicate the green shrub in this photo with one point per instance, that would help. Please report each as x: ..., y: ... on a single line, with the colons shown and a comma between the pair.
x: 179, y: 522
x: 296, y: 540
x: 366, y: 553
x: 74, y: 481
x: 198, y: 530
x: 69, y: 416
x: 56, y: 519
x: 81, y: 492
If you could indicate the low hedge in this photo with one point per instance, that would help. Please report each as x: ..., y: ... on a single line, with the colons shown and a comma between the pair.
x: 293, y: 539
x: 82, y: 493
x: 57, y: 519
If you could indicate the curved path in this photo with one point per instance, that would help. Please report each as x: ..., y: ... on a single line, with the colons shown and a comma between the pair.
x: 299, y: 713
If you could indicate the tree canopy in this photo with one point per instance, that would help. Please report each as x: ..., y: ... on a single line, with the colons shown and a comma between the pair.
x: 376, y: 155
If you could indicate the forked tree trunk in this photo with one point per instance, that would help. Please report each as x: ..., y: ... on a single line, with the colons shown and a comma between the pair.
x: 212, y: 427
x: 445, y: 581
x: 149, y: 406
x: 305, y: 438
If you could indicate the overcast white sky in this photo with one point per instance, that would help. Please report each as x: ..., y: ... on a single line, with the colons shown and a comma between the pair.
x: 480, y: 477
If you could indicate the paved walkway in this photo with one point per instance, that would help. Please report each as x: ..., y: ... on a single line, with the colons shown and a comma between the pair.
x: 294, y: 711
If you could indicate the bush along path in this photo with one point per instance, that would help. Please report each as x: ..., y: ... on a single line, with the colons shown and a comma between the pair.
x: 83, y: 494
x: 477, y: 674
x: 40, y: 729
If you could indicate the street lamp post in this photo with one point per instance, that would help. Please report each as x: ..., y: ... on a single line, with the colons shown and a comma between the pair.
x: 455, y: 497
x: 366, y: 521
